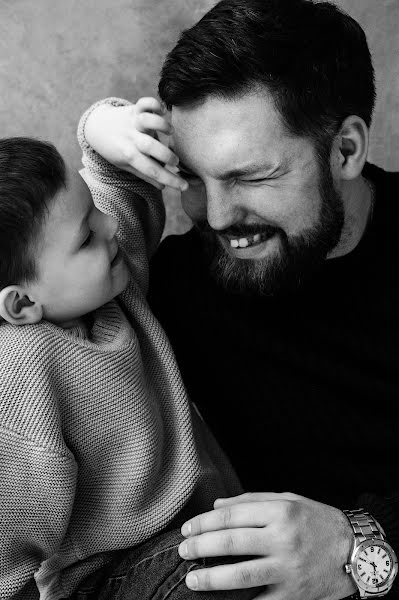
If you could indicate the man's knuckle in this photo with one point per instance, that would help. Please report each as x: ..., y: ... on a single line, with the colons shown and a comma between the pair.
x: 288, y: 510
x: 290, y: 495
x: 228, y: 544
x: 246, y: 496
x: 262, y: 575
x: 295, y: 543
x: 191, y: 546
x: 243, y: 577
x: 204, y: 580
x: 226, y: 517
x: 289, y: 539
x: 196, y: 526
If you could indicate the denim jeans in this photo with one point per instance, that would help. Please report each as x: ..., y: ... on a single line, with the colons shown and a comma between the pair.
x: 153, y: 571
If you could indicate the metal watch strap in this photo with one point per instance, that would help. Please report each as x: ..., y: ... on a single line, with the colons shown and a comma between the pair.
x: 363, y: 525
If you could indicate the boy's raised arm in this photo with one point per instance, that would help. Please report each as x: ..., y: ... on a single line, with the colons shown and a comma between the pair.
x: 125, y: 169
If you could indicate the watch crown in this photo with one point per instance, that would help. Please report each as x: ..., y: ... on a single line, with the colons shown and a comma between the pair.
x: 348, y: 569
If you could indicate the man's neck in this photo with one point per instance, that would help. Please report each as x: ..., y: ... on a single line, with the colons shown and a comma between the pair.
x: 358, y: 201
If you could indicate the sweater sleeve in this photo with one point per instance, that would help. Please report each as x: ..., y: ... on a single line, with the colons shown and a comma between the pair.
x: 137, y: 205
x: 37, y: 488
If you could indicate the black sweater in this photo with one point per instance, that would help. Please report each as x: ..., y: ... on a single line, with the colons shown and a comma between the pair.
x: 300, y: 390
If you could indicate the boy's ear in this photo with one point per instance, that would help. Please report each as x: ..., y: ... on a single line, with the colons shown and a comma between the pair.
x: 353, y: 141
x: 18, y: 307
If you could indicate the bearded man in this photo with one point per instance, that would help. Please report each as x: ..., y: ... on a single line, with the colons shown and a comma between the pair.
x: 282, y: 302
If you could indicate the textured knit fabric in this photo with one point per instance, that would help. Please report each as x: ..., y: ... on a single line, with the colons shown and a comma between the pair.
x: 97, y: 448
x: 301, y: 389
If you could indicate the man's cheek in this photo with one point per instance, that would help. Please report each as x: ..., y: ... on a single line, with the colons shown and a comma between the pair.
x: 194, y: 203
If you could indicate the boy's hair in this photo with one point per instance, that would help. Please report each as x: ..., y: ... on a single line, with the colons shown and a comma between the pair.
x: 31, y: 174
x: 312, y: 57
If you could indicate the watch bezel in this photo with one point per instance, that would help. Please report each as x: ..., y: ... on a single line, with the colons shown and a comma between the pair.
x: 374, y: 589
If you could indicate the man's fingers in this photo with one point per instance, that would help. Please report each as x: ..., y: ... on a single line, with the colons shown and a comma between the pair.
x: 230, y: 542
x: 253, y: 497
x: 149, y: 104
x: 228, y: 517
x: 247, y: 574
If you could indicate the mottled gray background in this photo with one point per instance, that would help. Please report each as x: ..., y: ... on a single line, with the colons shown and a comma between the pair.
x: 58, y: 56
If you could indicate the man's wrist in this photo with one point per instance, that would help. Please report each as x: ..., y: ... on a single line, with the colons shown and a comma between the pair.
x: 348, y: 538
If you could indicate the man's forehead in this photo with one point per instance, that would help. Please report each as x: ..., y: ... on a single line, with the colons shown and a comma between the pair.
x: 226, y: 131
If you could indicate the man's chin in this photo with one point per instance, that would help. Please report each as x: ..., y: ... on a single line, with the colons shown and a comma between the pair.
x: 251, y: 276
x: 273, y: 268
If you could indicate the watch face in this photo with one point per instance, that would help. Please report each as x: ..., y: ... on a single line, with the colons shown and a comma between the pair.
x: 374, y: 565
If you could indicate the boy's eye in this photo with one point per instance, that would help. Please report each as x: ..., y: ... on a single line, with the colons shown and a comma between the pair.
x: 88, y: 239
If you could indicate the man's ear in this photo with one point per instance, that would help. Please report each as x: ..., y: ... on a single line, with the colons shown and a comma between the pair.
x: 18, y: 307
x: 352, y: 147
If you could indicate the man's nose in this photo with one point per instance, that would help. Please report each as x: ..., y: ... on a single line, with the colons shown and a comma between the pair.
x: 223, y: 210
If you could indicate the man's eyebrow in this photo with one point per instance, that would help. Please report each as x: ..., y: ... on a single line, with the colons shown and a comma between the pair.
x: 249, y: 169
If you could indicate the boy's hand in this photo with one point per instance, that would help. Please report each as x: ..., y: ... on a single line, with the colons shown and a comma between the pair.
x: 126, y: 137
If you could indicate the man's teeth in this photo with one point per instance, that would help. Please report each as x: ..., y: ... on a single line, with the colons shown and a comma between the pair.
x: 245, y: 242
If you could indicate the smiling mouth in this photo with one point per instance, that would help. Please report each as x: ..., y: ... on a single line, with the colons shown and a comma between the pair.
x: 248, y: 241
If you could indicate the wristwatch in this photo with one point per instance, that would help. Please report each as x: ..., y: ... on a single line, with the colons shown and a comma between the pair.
x: 372, y: 562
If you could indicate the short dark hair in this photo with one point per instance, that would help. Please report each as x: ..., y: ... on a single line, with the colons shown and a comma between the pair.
x: 31, y: 174
x: 312, y: 57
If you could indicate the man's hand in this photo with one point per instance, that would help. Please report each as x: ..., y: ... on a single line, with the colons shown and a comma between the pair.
x: 126, y: 137
x: 297, y: 547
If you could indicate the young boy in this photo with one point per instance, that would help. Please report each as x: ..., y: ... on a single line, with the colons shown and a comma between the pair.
x: 101, y: 455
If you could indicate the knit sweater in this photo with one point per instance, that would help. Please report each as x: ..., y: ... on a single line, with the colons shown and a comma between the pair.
x: 99, y: 447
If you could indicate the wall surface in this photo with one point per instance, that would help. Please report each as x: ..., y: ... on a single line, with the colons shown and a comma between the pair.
x: 58, y: 56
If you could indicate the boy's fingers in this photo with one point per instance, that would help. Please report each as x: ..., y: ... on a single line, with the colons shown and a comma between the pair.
x: 149, y: 104
x: 153, y: 170
x: 159, y: 186
x: 155, y: 149
x: 150, y: 121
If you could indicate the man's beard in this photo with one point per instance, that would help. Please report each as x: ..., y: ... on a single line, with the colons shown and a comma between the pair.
x: 297, y: 259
